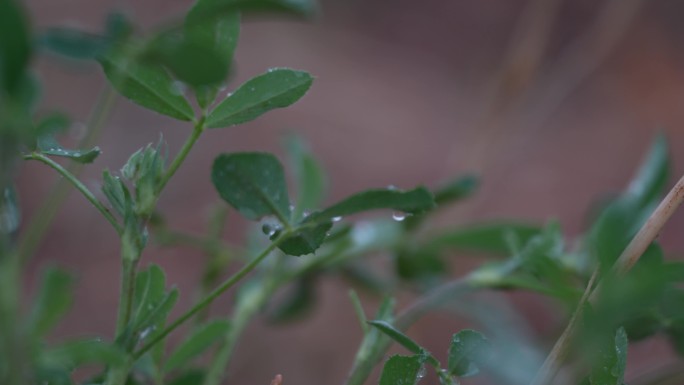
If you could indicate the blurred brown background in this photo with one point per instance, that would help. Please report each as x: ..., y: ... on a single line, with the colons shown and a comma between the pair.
x: 553, y: 102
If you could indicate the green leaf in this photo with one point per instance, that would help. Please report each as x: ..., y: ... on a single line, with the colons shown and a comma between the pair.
x: 309, y: 175
x: 253, y: 183
x: 52, y: 302
x: 15, y: 46
x: 53, y: 376
x: 146, y: 85
x: 491, y: 238
x: 402, y: 370
x: 191, y: 62
x: 76, y: 353
x: 117, y: 193
x: 468, y: 348
x: 651, y: 178
x: 277, y: 88
x: 73, y: 43
x: 609, y: 368
x: 419, y: 264
x: 10, y: 215
x: 403, y: 340
x: 621, y: 219
x: 459, y: 188
x: 47, y: 143
x: 198, y: 342
x: 305, y: 240
x: 413, y: 201
x: 298, y: 301
x: 221, y: 35
x: 209, y: 10
x: 191, y: 377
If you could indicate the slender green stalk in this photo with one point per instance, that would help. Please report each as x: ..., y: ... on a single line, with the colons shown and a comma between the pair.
x: 182, y: 154
x: 126, y: 293
x: 227, y: 284
x: 36, y: 229
x: 78, y: 185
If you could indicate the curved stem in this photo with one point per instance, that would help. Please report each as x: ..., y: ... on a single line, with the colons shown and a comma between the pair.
x: 78, y: 185
x: 182, y: 154
x: 60, y: 191
x: 227, y: 284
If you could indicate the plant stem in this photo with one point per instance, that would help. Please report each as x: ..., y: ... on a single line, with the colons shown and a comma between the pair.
x: 636, y: 247
x: 182, y: 154
x: 126, y: 293
x: 60, y: 191
x: 78, y: 185
x: 227, y: 284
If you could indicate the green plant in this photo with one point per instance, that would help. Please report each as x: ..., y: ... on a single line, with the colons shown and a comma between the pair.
x: 615, y: 279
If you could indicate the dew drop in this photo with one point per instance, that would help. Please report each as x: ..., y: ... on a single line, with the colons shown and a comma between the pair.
x: 398, y: 216
x: 336, y: 219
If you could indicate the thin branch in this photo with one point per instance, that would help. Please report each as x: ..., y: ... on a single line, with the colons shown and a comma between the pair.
x: 78, y: 185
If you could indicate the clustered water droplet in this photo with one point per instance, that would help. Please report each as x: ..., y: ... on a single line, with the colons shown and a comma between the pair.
x: 398, y: 216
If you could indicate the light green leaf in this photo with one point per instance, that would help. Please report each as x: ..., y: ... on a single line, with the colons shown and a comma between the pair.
x: 492, y: 238
x: 73, y: 43
x: 253, y: 183
x: 146, y: 85
x: 52, y: 302
x: 467, y: 349
x: 609, y: 369
x: 47, y: 143
x: 403, y: 340
x: 198, y: 342
x: 402, y: 370
x: 76, y: 353
x: 277, y: 88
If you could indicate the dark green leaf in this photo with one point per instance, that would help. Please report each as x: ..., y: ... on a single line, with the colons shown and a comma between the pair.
x: 253, y: 183
x: 47, y: 143
x: 277, y: 88
x: 146, y: 85
x: 609, y: 369
x: 402, y: 370
x: 221, y: 35
x: 413, y: 201
x: 305, y: 240
x: 198, y: 342
x: 15, y: 46
x: 457, y: 189
x: 494, y: 238
x: 192, y: 377
x: 468, y: 349
x: 419, y: 264
x: 73, y: 43
x: 52, y: 302
x: 76, y: 353
x: 309, y: 175
x: 193, y: 63
x: 298, y: 301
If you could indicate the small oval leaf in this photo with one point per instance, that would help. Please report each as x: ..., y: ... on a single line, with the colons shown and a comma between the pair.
x: 277, y: 88
x: 253, y: 183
